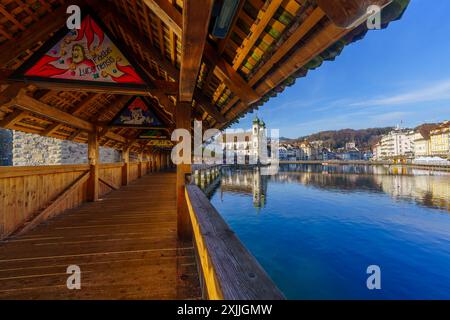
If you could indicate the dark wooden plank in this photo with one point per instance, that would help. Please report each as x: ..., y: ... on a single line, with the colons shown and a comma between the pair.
x: 345, y: 13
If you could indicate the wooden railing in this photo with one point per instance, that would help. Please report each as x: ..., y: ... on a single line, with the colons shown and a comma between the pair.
x: 228, y: 270
x: 110, y: 175
x: 25, y: 191
x: 31, y: 195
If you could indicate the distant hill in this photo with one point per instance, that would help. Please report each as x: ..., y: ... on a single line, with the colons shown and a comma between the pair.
x: 363, y: 138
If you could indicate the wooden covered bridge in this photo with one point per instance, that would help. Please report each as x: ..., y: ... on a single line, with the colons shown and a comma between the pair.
x: 132, y: 72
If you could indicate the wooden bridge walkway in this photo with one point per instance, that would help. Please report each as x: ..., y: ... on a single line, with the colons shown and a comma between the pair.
x: 125, y: 244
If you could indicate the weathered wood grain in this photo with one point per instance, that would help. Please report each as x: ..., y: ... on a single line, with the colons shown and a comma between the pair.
x: 229, y: 270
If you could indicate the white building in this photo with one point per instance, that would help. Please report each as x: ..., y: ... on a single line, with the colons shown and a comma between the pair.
x: 246, y: 147
x: 397, y: 143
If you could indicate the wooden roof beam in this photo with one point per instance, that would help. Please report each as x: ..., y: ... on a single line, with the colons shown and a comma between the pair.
x: 38, y: 31
x: 168, y: 14
x: 97, y: 88
x: 290, y: 42
x: 296, y: 36
x: 196, y: 16
x: 226, y: 72
x: 256, y: 29
x: 76, y: 112
x: 317, y: 44
x: 27, y: 103
x: 206, y: 106
x: 349, y: 13
x: 118, y: 21
x: 11, y: 119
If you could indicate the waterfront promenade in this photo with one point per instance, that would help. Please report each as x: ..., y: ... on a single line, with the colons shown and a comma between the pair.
x: 363, y: 162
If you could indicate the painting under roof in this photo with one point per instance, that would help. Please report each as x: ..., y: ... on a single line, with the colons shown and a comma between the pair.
x: 137, y: 113
x: 87, y: 55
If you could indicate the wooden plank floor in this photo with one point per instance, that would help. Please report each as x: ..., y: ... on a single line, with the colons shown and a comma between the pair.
x: 125, y: 245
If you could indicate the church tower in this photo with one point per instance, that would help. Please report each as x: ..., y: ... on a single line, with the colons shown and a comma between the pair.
x: 258, y: 138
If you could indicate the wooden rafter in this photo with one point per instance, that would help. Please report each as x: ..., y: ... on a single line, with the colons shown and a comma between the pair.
x: 76, y: 111
x: 12, y: 119
x: 98, y: 88
x: 345, y: 13
x: 295, y: 37
x: 27, y: 103
x: 215, y: 60
x: 167, y: 13
x: 196, y: 17
x: 256, y: 30
x: 40, y: 31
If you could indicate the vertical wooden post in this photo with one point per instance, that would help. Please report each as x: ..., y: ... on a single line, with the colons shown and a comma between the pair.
x: 94, y: 159
x: 164, y: 160
x: 158, y: 161
x: 126, y: 166
x: 147, y: 163
x: 151, y: 162
x: 140, y: 156
x: 183, y: 121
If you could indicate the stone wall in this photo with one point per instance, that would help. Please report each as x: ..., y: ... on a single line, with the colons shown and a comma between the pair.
x: 31, y: 150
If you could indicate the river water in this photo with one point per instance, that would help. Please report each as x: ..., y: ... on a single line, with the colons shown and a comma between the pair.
x: 316, y: 229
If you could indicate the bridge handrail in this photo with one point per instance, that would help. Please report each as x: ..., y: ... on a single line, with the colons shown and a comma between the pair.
x: 229, y: 270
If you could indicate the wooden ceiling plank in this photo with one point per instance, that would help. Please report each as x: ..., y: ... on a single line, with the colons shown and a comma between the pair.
x: 196, y: 16
x: 207, y: 107
x: 320, y: 42
x: 11, y: 119
x: 256, y: 29
x: 37, y: 32
x: 225, y: 70
x: 137, y: 37
x: 97, y: 88
x: 167, y: 13
x: 236, y: 83
x: 290, y: 42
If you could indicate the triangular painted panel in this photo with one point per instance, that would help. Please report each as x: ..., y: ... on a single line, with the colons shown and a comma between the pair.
x: 154, y: 134
x: 160, y: 143
x: 137, y: 113
x: 87, y: 55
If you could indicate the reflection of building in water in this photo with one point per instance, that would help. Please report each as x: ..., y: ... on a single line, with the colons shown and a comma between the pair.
x: 428, y: 188
x: 247, y: 182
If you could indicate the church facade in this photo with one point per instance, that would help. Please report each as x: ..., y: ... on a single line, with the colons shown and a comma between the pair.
x: 249, y: 147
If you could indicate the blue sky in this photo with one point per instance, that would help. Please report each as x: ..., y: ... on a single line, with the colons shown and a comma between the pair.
x: 401, y: 73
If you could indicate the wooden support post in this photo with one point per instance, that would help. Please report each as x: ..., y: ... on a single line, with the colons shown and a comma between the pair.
x: 183, y: 121
x: 152, y: 162
x: 140, y: 171
x: 94, y: 159
x: 126, y: 166
x: 147, y: 163
x: 164, y: 160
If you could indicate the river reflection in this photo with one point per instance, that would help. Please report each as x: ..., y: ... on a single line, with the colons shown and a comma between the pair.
x: 425, y: 187
x: 315, y: 229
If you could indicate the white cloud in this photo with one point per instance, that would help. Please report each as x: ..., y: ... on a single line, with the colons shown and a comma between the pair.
x: 437, y: 92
